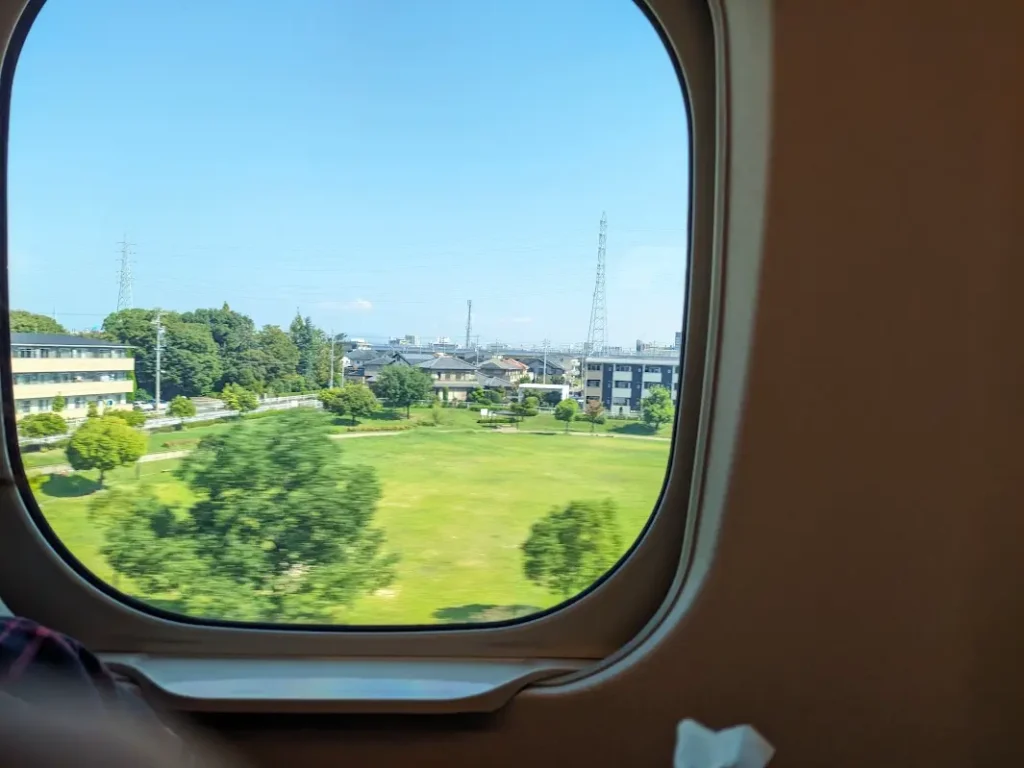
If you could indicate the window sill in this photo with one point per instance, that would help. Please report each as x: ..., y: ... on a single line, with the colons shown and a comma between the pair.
x: 372, y: 686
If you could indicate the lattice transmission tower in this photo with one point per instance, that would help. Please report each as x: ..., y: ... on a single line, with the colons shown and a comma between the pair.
x: 124, y: 286
x: 597, y: 333
x: 469, y: 321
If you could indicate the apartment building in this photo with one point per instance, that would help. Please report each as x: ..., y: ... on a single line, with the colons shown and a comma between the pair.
x: 621, y: 383
x: 81, y: 369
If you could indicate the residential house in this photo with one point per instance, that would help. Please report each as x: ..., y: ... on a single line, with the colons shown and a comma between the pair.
x: 505, y: 368
x: 451, y: 373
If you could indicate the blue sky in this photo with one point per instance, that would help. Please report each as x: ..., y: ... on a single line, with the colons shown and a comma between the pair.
x: 373, y: 163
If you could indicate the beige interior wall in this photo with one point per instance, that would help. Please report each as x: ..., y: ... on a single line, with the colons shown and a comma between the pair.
x: 866, y: 605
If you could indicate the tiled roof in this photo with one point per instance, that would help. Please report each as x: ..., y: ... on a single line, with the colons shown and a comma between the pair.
x: 446, y: 364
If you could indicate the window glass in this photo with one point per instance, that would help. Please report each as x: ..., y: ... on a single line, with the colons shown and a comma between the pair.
x: 382, y: 220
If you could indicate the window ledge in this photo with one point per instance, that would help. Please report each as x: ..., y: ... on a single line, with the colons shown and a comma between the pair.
x: 374, y: 686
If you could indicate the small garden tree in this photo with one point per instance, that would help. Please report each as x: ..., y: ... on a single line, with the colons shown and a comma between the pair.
x: 566, y: 411
x: 571, y: 548
x: 42, y: 425
x: 657, y: 408
x: 104, y: 444
x: 594, y: 413
x: 238, y: 398
x: 401, y: 385
x: 59, y: 403
x: 92, y: 410
x: 181, y: 407
x: 352, y: 400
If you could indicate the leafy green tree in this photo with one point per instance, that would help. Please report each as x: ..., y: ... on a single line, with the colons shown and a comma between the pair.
x: 276, y: 358
x: 308, y: 339
x: 30, y: 322
x: 235, y: 337
x: 352, y: 400
x: 571, y: 548
x: 445, y: 394
x: 556, y: 379
x: 42, y: 425
x: 401, y: 385
x: 129, y: 417
x: 594, y: 413
x: 566, y: 411
x: 656, y: 408
x: 92, y: 410
x: 181, y: 407
x: 238, y: 398
x: 280, y: 530
x: 554, y: 397
x: 104, y: 444
x: 479, y: 395
x: 59, y: 403
x: 191, y: 360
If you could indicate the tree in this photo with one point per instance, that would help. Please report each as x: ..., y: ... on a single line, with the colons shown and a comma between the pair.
x: 352, y: 400
x: 557, y: 379
x: 30, y: 322
x: 92, y: 410
x: 59, y: 403
x: 280, y: 530
x: 235, y: 337
x: 181, y: 407
x: 594, y: 413
x: 569, y: 549
x: 401, y: 385
x: 656, y: 408
x: 131, y: 418
x: 308, y: 339
x: 275, y: 358
x: 554, y: 397
x: 238, y: 398
x: 445, y: 394
x: 104, y: 444
x: 566, y: 411
x: 42, y: 425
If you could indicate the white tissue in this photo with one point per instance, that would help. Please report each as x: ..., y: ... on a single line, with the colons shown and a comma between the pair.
x: 739, y: 747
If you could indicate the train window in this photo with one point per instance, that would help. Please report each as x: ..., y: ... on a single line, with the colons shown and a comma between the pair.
x: 371, y: 318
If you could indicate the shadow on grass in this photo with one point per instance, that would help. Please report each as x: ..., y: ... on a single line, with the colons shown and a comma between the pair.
x: 632, y: 428
x: 480, y: 612
x: 385, y: 414
x: 68, y: 486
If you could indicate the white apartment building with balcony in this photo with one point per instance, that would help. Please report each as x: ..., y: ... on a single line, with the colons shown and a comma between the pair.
x: 80, y: 369
x: 621, y: 383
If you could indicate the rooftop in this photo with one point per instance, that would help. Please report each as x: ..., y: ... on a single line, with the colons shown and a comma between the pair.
x: 446, y: 364
x: 61, y: 340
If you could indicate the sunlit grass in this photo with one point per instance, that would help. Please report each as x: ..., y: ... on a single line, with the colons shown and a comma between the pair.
x: 456, y: 506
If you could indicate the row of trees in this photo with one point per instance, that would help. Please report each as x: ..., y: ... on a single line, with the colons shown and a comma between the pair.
x: 205, y: 350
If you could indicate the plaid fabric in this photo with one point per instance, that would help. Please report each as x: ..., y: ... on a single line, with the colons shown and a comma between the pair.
x: 31, y: 654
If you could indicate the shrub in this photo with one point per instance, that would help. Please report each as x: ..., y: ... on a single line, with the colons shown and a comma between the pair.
x: 42, y: 425
x: 131, y: 418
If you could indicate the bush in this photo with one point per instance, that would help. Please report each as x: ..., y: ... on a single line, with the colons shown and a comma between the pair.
x: 497, y: 420
x: 42, y: 425
x: 392, y: 427
x: 131, y: 418
x: 181, y: 407
x: 583, y: 417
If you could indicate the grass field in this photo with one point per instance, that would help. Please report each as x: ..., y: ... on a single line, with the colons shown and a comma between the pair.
x: 456, y: 506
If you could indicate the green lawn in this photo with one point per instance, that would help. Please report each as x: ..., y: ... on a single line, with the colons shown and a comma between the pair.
x: 456, y: 506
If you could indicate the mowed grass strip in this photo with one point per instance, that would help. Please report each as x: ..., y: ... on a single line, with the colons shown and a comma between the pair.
x: 456, y: 506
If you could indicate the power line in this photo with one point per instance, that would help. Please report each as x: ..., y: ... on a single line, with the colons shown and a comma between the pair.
x: 124, y: 287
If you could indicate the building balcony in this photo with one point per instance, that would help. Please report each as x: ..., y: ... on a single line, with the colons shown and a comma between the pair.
x: 71, y: 364
x: 70, y: 389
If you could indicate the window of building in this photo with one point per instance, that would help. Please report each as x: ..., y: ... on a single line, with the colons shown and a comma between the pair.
x: 24, y: 406
x: 652, y: 369
x: 380, y: 531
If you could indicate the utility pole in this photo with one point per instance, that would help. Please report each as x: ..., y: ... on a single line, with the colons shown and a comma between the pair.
x: 469, y: 320
x: 330, y: 384
x: 545, y: 361
x: 159, y: 345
